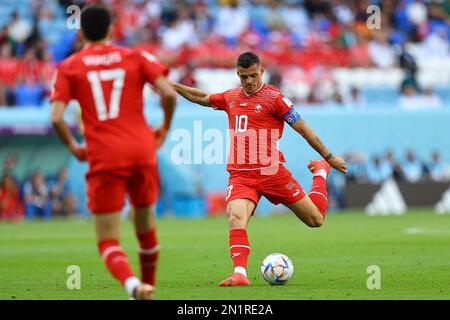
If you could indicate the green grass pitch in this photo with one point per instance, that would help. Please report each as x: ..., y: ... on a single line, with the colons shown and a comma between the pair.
x: 412, y: 251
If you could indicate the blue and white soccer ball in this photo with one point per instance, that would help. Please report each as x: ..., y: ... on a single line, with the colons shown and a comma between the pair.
x: 277, y: 269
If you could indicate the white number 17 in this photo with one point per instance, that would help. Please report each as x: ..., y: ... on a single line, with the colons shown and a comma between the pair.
x: 95, y: 78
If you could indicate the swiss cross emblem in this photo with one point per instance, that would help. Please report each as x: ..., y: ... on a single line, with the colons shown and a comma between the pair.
x: 290, y: 185
x: 258, y: 108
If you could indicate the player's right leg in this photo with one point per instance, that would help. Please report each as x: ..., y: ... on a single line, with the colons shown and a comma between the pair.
x: 239, y: 211
x: 106, y: 193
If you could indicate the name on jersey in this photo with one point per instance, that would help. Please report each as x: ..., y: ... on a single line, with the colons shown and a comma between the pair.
x: 102, y: 59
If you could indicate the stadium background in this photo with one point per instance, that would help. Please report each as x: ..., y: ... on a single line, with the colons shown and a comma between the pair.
x: 364, y: 91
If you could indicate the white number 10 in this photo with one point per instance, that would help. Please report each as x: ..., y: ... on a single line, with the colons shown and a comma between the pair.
x: 241, y: 123
x: 95, y: 78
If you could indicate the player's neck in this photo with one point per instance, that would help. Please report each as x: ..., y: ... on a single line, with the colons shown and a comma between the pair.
x: 88, y: 44
x: 249, y: 94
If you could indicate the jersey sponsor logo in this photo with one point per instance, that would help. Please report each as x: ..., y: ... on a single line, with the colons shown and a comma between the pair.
x: 243, y: 104
x: 287, y: 102
x: 258, y: 108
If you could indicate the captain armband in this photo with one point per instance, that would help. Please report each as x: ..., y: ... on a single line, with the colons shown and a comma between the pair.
x: 291, y: 117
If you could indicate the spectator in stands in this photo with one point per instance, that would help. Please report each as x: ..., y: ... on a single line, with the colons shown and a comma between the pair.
x: 431, y: 99
x: 355, y: 98
x: 10, y: 164
x: 359, y: 53
x: 63, y: 201
x: 296, y: 19
x: 232, y: 21
x: 417, y: 14
x: 375, y: 172
x: 410, y: 98
x: 391, y: 166
x: 409, y: 66
x: 11, y: 207
x: 435, y: 169
x: 356, y: 163
x: 9, y: 67
x: 180, y: 32
x: 381, y: 53
x: 436, y: 44
x: 19, y: 29
x: 412, y: 168
x: 36, y: 196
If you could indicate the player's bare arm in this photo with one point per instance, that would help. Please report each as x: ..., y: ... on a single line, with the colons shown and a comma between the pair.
x: 314, y: 141
x: 193, y: 94
x: 63, y: 131
x: 168, y: 103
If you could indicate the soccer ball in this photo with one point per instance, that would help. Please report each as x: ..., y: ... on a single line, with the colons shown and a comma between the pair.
x: 277, y: 269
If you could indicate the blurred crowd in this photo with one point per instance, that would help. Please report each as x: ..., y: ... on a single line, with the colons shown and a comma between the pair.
x: 380, y: 168
x: 36, y: 197
x: 385, y: 166
x: 313, y: 35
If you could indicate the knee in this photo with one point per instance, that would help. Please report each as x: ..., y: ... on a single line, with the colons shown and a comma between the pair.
x: 315, y: 222
x: 236, y: 218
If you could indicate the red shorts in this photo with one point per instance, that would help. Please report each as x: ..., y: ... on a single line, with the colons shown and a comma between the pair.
x: 106, y: 190
x: 278, y: 188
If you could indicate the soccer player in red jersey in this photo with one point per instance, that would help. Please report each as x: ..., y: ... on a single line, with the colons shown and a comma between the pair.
x: 256, y: 115
x: 120, y: 148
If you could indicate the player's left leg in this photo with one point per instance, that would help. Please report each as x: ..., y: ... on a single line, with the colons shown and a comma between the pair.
x: 145, y: 227
x: 283, y: 188
x: 107, y: 230
x: 313, y: 207
x: 143, y: 187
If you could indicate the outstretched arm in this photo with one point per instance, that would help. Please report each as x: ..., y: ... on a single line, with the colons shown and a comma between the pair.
x: 193, y: 94
x: 314, y: 141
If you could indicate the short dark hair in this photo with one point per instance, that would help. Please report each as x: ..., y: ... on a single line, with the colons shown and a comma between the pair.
x: 95, y: 22
x: 247, y: 59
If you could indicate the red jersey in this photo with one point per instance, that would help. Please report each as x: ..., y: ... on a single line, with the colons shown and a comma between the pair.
x: 108, y: 83
x: 256, y: 124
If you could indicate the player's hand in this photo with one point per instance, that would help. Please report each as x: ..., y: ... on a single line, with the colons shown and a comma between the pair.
x: 79, y: 151
x: 160, y: 136
x: 338, y: 163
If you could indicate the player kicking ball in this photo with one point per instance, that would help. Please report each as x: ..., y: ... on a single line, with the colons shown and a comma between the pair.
x: 256, y: 115
x: 120, y: 147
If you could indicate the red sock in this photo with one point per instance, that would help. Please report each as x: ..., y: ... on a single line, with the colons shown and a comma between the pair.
x: 148, y: 256
x: 115, y: 259
x: 239, y: 247
x: 319, y: 194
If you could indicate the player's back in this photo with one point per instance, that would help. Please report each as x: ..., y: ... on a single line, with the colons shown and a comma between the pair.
x: 108, y: 83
